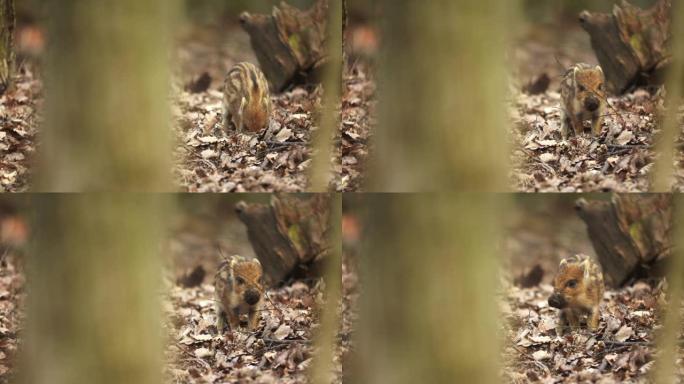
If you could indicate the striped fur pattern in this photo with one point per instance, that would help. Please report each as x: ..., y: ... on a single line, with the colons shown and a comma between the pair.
x: 583, y: 98
x: 247, y: 103
x: 577, y: 291
x: 239, y: 291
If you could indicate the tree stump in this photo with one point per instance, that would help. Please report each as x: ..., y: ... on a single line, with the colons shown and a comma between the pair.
x: 289, y: 235
x: 289, y: 43
x: 630, y: 233
x: 631, y: 44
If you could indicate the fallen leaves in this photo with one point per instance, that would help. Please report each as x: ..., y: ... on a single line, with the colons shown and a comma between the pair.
x: 279, y: 350
x: 12, y: 299
x: 620, y: 350
x: 624, y: 333
x: 619, y: 160
x: 356, y: 129
x: 210, y: 158
x: 19, y: 118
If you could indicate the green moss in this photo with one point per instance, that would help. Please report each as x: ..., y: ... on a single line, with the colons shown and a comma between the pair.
x: 636, y: 42
x: 293, y: 232
x: 294, y: 42
x: 635, y: 231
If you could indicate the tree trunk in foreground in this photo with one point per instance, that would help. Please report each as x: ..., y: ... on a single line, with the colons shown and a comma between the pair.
x: 107, y: 89
x: 443, y: 90
x: 669, y: 341
x: 94, y: 274
x: 429, y: 271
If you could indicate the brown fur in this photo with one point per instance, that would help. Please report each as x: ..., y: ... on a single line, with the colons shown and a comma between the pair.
x: 578, y: 290
x: 237, y: 281
x: 247, y: 102
x: 582, y: 86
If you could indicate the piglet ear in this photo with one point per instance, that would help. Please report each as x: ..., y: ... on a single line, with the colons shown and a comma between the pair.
x: 563, y: 265
x: 586, y: 267
x: 598, y: 68
x: 257, y: 261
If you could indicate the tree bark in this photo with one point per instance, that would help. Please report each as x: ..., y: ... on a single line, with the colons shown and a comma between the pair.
x: 442, y: 81
x: 288, y: 235
x: 107, y: 86
x: 7, y: 23
x: 430, y: 272
x: 321, y: 169
x: 290, y: 44
x: 631, y: 234
x: 667, y: 369
x: 94, y: 274
x: 631, y: 44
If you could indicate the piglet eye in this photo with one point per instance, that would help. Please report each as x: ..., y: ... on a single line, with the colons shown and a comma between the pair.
x: 600, y: 87
x: 571, y: 284
x: 581, y: 88
x: 240, y: 280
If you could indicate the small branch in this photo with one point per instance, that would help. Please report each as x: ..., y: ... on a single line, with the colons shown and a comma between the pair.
x: 274, y: 342
x: 627, y: 146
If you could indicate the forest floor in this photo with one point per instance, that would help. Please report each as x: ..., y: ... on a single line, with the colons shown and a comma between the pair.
x: 279, y: 350
x: 619, y: 160
x: 620, y: 350
x: 19, y: 119
x: 210, y: 159
x: 351, y: 291
x: 12, y: 302
x: 358, y: 119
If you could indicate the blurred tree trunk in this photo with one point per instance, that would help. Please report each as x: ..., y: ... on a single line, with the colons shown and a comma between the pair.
x: 107, y: 90
x: 321, y: 167
x: 669, y: 340
x: 663, y: 175
x: 94, y: 274
x: 326, y: 341
x: 429, y: 274
x: 443, y: 89
x: 7, y: 23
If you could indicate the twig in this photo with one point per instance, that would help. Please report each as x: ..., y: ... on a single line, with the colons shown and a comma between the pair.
x: 4, y: 254
x: 627, y: 146
x: 284, y: 143
x: 285, y: 342
x: 280, y: 313
x: 627, y: 343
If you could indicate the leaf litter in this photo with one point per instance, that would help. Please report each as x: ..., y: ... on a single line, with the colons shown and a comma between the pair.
x: 356, y: 129
x: 20, y: 115
x: 621, y: 350
x: 539, y: 233
x: 280, y: 350
x: 620, y: 159
x: 210, y: 158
